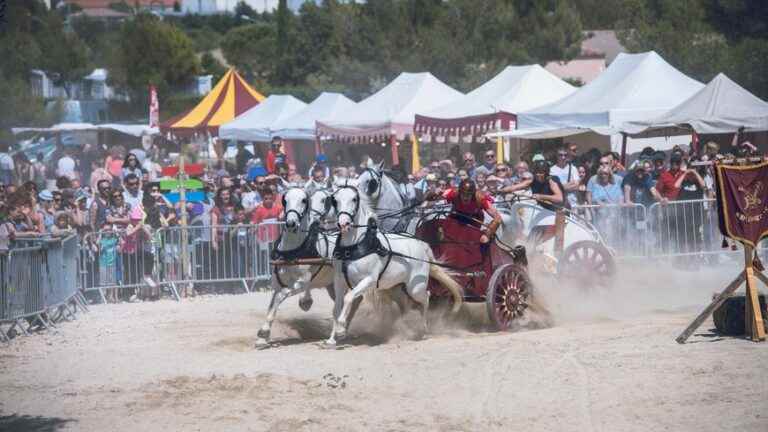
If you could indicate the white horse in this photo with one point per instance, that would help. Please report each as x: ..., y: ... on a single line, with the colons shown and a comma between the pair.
x: 301, y: 238
x: 371, y: 260
x: 384, y: 196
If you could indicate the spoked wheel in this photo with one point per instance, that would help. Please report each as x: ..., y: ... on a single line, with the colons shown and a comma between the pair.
x: 587, y: 263
x: 507, y: 296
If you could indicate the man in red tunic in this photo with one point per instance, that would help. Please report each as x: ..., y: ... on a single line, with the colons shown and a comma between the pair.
x: 468, y: 207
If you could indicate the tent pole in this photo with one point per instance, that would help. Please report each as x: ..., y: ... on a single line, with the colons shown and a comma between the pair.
x: 415, y: 160
x: 183, y: 207
x: 624, y: 149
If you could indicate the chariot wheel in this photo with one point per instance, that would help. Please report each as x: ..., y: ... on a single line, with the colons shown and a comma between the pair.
x: 507, y: 296
x: 587, y: 263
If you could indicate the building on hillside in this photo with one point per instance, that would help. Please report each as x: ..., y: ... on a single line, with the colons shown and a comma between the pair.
x: 211, y: 7
x: 102, y: 14
x: 598, y: 49
x: 153, y: 5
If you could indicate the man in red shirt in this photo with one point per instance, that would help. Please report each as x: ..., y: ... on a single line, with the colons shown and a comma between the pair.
x: 266, y: 215
x: 666, y: 188
x: 468, y: 207
x: 275, y: 155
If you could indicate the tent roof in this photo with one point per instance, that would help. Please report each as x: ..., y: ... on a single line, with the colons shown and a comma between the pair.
x: 255, y: 124
x: 634, y: 87
x: 721, y: 107
x: 230, y: 97
x: 514, y: 89
x: 301, y: 126
x: 392, y: 109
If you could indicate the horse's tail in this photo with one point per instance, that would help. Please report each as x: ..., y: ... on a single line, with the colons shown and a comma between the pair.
x: 444, y: 278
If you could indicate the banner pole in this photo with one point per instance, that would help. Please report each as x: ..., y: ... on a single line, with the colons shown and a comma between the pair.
x: 754, y: 327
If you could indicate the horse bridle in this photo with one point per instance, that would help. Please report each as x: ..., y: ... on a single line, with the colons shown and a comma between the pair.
x: 374, y: 183
x: 357, y: 202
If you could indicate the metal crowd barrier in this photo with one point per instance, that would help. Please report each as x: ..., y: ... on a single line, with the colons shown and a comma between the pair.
x: 38, y: 284
x: 675, y: 229
x: 118, y: 265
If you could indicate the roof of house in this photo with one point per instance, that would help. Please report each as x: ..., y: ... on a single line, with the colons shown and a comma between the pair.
x: 601, y: 43
x: 104, y: 4
x: 102, y: 13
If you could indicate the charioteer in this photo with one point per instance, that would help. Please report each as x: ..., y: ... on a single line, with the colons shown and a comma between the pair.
x: 468, y: 206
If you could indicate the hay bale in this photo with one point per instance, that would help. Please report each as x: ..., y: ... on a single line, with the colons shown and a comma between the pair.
x: 729, y: 317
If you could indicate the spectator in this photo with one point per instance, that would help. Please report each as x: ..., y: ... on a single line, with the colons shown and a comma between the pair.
x: 469, y: 165
x: 668, y: 185
x: 118, y: 211
x: 24, y: 172
x: 38, y: 171
x: 265, y: 216
x: 7, y: 166
x: 638, y: 186
x: 605, y: 190
x: 151, y: 169
x: 251, y: 197
x: 582, y: 191
x: 131, y: 165
x: 317, y: 180
x: 321, y: 161
x: 493, y: 185
x: 99, y: 173
x: 133, y: 195
x: 489, y: 164
x: 47, y: 211
x: 521, y: 174
x: 567, y: 174
x: 97, y: 214
x: 223, y: 213
x: 658, y: 164
x: 114, y: 163
x: 275, y: 155
x: 62, y: 224
x: 67, y: 167
x: 242, y: 157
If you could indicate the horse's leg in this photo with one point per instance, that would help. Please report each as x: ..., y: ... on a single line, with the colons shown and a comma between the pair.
x: 417, y: 291
x: 340, y: 324
x: 339, y: 289
x: 305, y: 302
x: 279, y: 294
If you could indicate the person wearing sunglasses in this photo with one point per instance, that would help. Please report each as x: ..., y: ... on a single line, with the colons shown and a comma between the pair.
x: 469, y: 164
x: 97, y: 213
x: 118, y: 211
x: 133, y: 193
x: 488, y: 167
x: 568, y: 175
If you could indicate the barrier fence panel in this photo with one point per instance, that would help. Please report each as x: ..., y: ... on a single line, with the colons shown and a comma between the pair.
x: 686, y: 228
x: 120, y: 264
x: 623, y: 227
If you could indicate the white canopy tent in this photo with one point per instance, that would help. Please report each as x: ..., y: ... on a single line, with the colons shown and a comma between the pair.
x: 255, y: 124
x: 136, y: 130
x: 635, y: 87
x: 391, y: 111
x: 721, y: 107
x: 301, y: 126
x: 515, y: 89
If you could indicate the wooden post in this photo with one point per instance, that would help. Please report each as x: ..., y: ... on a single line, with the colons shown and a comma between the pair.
x: 393, y: 144
x: 559, y: 231
x: 184, y: 234
x: 624, y: 149
x: 753, y: 326
x: 716, y: 302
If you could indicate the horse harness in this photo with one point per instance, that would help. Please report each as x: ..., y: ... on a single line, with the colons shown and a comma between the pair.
x: 369, y: 244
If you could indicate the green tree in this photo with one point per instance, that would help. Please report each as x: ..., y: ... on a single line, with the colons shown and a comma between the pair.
x: 252, y: 50
x: 212, y: 66
x: 152, y: 52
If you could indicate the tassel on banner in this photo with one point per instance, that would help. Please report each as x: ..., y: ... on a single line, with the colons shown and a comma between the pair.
x: 725, y: 243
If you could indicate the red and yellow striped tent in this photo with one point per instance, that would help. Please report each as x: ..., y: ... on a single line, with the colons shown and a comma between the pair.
x: 231, y: 97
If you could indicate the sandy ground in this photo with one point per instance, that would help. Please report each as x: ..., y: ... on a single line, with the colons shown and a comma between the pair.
x: 606, y: 362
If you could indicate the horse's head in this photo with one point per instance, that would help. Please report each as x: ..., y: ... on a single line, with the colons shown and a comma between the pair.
x: 346, y: 204
x: 370, y: 181
x: 320, y: 205
x: 296, y: 204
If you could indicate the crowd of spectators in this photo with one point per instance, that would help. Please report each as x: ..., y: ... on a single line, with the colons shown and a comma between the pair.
x: 115, y: 199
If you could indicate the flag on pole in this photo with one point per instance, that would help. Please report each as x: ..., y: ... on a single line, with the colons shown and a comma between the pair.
x: 154, y: 107
x: 742, y: 198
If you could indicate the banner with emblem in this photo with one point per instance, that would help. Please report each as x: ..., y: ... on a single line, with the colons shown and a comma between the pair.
x: 742, y: 198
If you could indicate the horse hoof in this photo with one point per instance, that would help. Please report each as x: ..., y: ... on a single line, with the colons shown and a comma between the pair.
x: 329, y: 345
x: 262, y: 344
x: 263, y: 334
x: 305, y: 303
